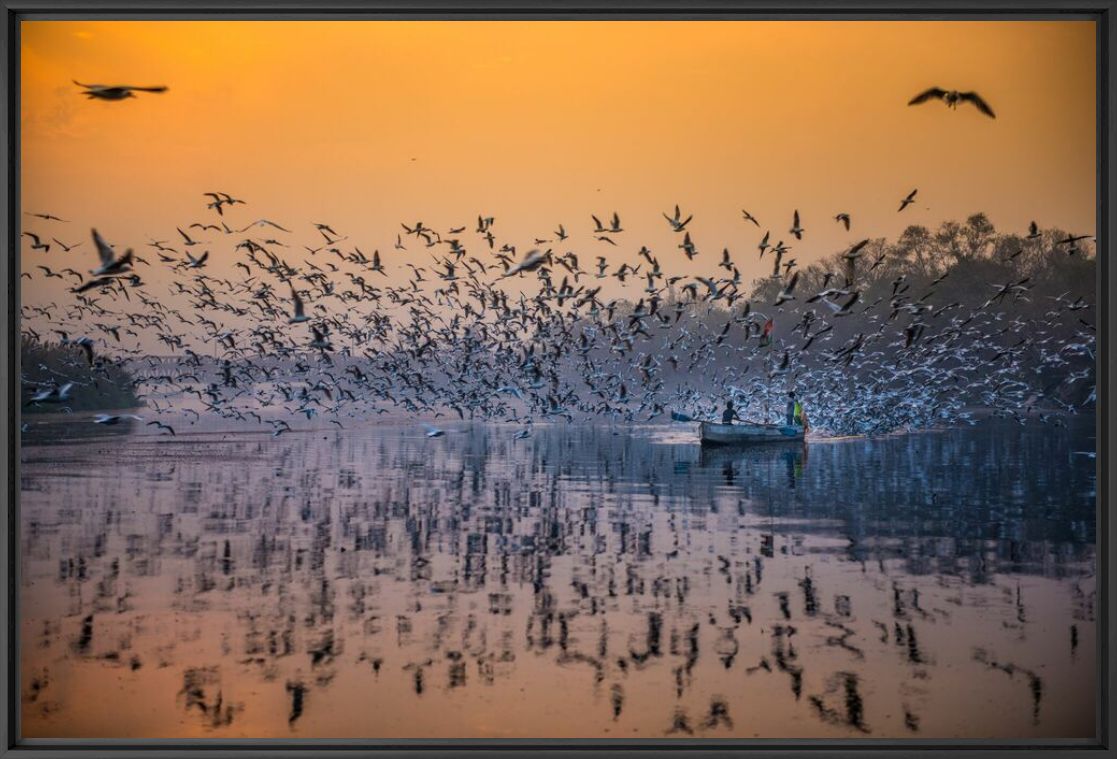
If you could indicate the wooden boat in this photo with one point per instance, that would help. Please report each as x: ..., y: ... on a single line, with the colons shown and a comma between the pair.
x: 747, y: 434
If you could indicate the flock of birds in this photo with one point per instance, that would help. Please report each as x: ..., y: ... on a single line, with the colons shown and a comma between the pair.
x: 477, y: 329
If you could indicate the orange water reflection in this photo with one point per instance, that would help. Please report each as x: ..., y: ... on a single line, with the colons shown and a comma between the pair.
x: 584, y: 582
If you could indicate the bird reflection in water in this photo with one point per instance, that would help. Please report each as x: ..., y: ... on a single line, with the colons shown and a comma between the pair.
x: 378, y: 582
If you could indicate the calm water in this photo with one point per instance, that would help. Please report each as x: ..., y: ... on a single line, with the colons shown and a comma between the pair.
x: 586, y: 581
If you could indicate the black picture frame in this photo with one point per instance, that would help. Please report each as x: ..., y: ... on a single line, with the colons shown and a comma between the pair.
x: 14, y: 11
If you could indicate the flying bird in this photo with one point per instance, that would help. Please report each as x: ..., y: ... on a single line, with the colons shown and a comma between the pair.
x: 908, y: 200
x: 110, y: 264
x: 36, y: 243
x: 952, y: 98
x: 115, y: 91
x: 299, y: 316
x: 46, y: 216
x: 677, y: 222
x: 795, y: 228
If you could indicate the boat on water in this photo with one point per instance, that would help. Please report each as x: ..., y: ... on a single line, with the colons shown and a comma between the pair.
x: 747, y: 433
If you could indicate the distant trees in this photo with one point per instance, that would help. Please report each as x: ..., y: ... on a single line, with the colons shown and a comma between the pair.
x: 928, y: 277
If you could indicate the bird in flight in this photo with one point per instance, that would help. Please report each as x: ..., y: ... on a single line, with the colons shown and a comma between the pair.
x: 47, y: 216
x: 36, y: 243
x: 110, y: 263
x: 677, y: 222
x: 114, y: 91
x: 795, y: 228
x: 908, y: 200
x: 952, y: 98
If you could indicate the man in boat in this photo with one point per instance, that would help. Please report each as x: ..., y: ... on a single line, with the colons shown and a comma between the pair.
x: 729, y: 414
x: 797, y: 416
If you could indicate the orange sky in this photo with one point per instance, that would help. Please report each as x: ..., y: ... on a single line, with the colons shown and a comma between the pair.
x: 363, y: 125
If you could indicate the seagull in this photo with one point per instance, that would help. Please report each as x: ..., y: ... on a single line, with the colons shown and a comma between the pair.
x: 196, y: 263
x: 65, y: 248
x: 162, y: 426
x: 676, y: 222
x: 532, y: 261
x: 221, y: 199
x: 795, y: 228
x: 785, y: 294
x: 261, y: 223
x: 53, y: 394
x: 843, y: 309
x: 110, y: 264
x: 843, y: 218
x: 116, y: 91
x: 299, y: 316
x: 36, y: 243
x: 763, y: 245
x: 432, y: 431
x: 688, y: 246
x: 1033, y: 231
x: 46, y: 217
x: 908, y: 200
x: 87, y: 346
x: 952, y: 98
x: 749, y: 217
x: 111, y: 419
x: 321, y: 341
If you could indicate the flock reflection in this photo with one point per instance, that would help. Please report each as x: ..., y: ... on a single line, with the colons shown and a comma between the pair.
x: 586, y: 581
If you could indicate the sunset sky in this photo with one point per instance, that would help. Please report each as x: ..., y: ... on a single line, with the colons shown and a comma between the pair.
x: 363, y: 125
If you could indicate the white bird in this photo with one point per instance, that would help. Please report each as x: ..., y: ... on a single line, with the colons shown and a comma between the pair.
x: 196, y: 263
x: 110, y: 264
x: 532, y: 261
x: 111, y: 419
x: 677, y: 222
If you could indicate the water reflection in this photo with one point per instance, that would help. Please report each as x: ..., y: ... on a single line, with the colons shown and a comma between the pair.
x: 585, y: 581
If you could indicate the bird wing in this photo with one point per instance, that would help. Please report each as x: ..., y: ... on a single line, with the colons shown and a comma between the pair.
x: 103, y: 250
x: 856, y: 248
x: 926, y: 95
x: 982, y: 106
x: 159, y: 88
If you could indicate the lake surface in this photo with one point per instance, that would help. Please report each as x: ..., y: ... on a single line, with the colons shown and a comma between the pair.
x: 587, y: 581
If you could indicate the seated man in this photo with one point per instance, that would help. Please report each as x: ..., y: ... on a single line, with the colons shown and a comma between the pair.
x: 729, y: 414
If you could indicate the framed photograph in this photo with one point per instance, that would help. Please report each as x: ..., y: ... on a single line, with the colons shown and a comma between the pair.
x: 409, y: 378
